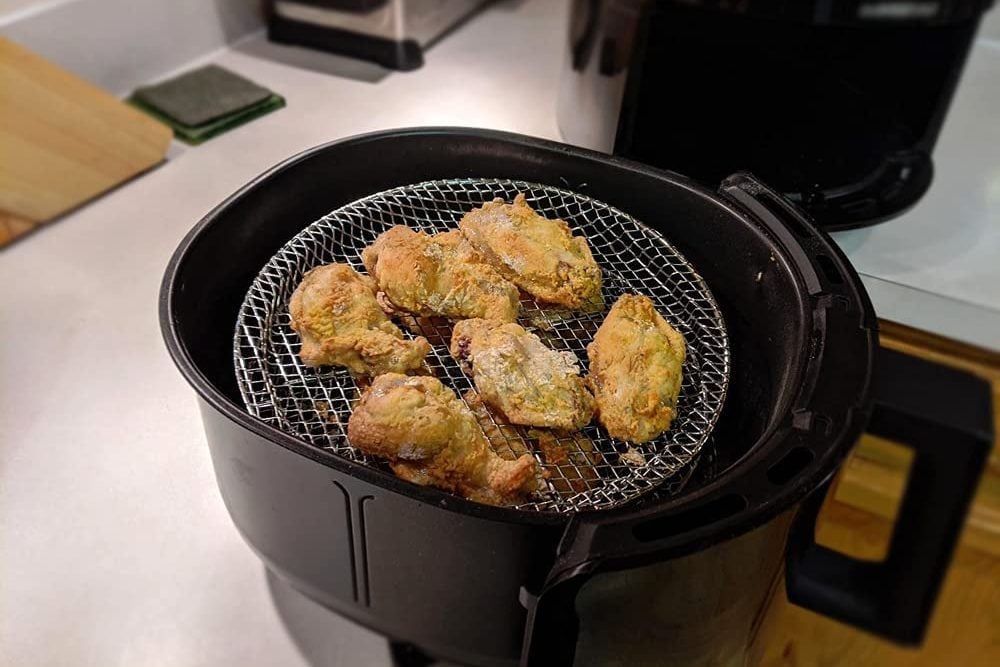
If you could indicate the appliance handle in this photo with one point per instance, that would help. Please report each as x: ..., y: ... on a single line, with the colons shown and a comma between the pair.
x: 950, y: 431
x: 582, y: 47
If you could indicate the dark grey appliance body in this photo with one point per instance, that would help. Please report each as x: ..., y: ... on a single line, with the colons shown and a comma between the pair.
x: 836, y: 104
x: 493, y: 586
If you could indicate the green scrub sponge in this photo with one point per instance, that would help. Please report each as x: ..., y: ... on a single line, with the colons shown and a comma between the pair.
x: 206, y: 102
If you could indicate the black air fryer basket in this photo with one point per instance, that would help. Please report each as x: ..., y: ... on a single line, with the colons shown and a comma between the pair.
x: 499, y: 586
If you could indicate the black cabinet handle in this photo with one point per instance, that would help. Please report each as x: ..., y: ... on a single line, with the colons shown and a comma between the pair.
x: 950, y: 431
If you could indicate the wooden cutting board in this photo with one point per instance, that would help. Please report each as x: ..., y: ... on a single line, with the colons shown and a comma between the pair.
x: 63, y: 141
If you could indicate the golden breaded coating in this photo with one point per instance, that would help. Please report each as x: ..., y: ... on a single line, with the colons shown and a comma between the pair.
x: 636, y: 360
x: 438, y: 275
x: 556, y: 447
x: 539, y: 255
x: 430, y: 437
x: 518, y: 375
x: 335, y: 314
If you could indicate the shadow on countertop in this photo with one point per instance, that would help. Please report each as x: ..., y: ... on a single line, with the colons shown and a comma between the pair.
x: 326, y: 639
x: 258, y: 46
x: 322, y: 637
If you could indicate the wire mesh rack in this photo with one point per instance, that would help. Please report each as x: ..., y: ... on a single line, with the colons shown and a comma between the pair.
x: 585, y: 470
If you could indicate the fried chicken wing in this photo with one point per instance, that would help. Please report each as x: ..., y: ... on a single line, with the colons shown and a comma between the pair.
x: 340, y: 323
x: 518, y: 375
x: 430, y: 437
x: 636, y: 360
x: 557, y: 448
x: 539, y: 255
x: 438, y: 275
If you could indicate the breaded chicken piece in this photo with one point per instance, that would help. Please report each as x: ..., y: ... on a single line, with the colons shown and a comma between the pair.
x: 335, y: 314
x: 557, y: 448
x: 636, y: 360
x: 430, y: 437
x: 539, y: 255
x: 438, y: 275
x: 518, y: 375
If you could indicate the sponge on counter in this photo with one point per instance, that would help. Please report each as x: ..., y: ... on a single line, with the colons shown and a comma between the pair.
x: 206, y: 102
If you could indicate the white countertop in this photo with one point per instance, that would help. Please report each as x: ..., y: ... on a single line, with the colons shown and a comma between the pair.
x: 937, y: 267
x: 115, y: 548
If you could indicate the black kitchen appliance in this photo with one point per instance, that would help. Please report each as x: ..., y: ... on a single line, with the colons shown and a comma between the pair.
x: 836, y: 104
x: 669, y: 577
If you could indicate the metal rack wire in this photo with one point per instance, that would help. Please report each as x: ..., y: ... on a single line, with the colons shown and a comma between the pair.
x: 315, y: 404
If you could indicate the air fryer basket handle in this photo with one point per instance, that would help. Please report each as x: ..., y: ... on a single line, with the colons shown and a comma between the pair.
x: 945, y: 417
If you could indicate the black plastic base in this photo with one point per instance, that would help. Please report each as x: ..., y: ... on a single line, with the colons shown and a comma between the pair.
x: 882, y: 196
x: 403, y: 56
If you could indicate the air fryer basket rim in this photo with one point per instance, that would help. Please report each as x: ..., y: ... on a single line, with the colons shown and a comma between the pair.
x: 750, y: 517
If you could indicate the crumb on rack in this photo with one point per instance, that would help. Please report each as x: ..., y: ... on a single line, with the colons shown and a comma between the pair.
x: 552, y: 450
x: 323, y: 410
x: 543, y: 324
x: 632, y: 457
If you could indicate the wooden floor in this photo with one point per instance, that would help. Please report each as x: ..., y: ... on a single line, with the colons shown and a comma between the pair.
x: 857, y: 519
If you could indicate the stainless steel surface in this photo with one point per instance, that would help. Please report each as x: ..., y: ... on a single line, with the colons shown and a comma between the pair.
x: 595, y: 71
x: 315, y: 404
x: 419, y: 20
